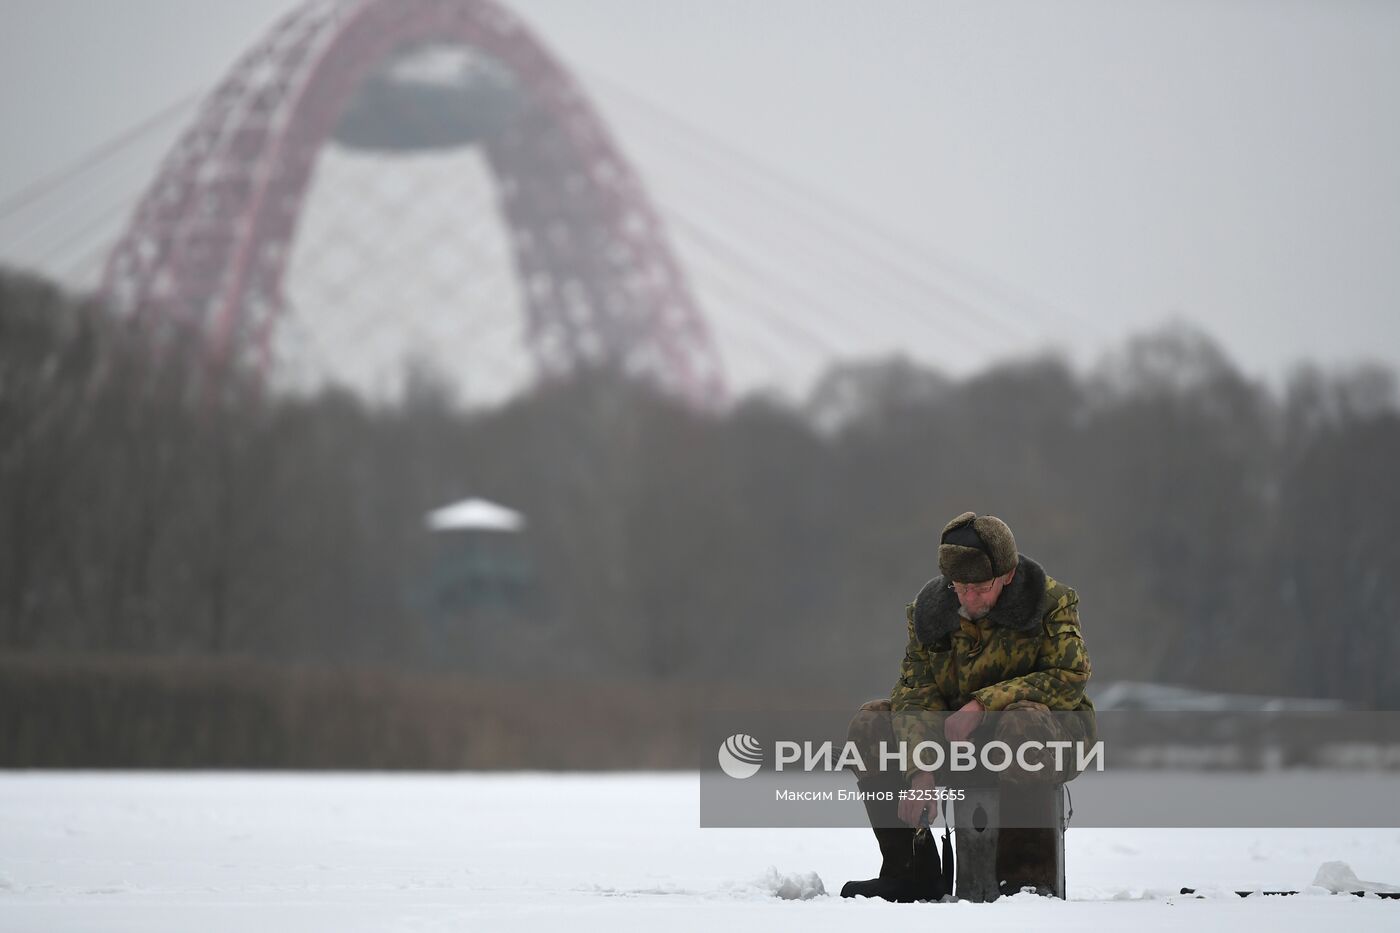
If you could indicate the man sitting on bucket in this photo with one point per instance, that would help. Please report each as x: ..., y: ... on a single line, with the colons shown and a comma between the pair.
x: 992, y: 634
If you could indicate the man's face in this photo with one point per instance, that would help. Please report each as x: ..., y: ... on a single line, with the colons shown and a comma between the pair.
x: 977, y: 599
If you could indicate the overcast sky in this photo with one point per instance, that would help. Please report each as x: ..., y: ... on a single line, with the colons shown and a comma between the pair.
x: 1111, y: 163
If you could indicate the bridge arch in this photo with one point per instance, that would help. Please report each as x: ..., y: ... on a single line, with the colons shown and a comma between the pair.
x: 207, y: 247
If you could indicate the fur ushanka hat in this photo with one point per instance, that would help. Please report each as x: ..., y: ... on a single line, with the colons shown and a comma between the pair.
x: 975, y: 548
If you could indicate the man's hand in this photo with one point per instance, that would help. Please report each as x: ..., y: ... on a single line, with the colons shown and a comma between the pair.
x: 910, y: 810
x: 965, y: 721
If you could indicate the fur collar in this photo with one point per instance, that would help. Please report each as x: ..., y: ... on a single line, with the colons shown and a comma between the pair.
x: 1019, y: 608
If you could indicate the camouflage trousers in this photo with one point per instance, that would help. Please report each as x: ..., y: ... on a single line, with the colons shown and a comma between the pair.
x: 1026, y: 727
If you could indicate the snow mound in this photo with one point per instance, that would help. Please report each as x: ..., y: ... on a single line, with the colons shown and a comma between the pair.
x: 1338, y: 877
x: 791, y: 887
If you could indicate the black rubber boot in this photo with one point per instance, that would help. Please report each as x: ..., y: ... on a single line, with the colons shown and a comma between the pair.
x: 909, y: 867
x: 896, y: 880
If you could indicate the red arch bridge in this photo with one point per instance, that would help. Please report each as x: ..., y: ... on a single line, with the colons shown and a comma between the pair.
x: 206, y: 251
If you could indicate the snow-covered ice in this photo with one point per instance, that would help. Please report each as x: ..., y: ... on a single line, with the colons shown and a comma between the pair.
x: 412, y: 852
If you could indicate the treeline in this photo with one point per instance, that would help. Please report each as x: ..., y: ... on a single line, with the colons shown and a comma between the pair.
x: 1219, y: 533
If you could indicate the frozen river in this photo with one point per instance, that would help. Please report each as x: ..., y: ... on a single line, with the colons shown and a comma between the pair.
x: 210, y: 852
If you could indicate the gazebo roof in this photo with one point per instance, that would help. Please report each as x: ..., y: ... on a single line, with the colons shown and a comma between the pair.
x: 474, y: 515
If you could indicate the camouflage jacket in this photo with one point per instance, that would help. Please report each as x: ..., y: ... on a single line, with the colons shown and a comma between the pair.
x: 1028, y: 648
